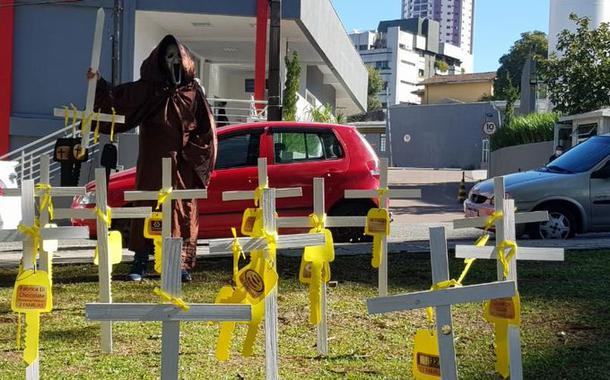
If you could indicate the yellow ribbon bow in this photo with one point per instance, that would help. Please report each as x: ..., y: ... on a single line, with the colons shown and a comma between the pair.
x: 107, y: 217
x: 258, y: 194
x: 46, y: 201
x: 177, y: 301
x: 163, y: 196
x: 506, y: 257
x: 32, y: 231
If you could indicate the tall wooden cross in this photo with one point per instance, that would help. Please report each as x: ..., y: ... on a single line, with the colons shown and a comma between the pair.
x: 28, y: 260
x: 91, y: 87
x: 383, y: 194
x: 319, y: 209
x: 505, y: 231
x: 441, y: 300
x: 248, y: 244
x: 170, y: 314
x: 102, y: 227
x: 170, y: 195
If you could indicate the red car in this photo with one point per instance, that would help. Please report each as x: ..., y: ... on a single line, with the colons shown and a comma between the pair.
x: 296, y: 152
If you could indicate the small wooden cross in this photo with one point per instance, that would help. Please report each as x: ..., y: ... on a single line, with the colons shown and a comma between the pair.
x: 169, y: 314
x: 105, y: 265
x: 248, y: 244
x: 330, y: 221
x: 92, y: 84
x: 28, y: 214
x: 442, y: 300
x: 384, y: 202
x: 505, y: 230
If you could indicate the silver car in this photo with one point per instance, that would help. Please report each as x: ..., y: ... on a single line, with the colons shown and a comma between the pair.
x: 574, y: 189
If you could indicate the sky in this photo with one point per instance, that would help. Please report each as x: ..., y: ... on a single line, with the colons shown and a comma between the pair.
x: 497, y: 23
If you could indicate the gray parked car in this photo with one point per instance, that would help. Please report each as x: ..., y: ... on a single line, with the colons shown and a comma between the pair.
x: 574, y: 189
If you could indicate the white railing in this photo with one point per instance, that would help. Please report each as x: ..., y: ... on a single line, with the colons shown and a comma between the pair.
x: 28, y: 156
x: 238, y: 111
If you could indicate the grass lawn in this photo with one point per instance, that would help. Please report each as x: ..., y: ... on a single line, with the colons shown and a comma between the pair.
x: 565, y: 330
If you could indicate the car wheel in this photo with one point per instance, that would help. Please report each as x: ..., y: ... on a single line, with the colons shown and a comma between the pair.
x: 351, y: 234
x: 562, y: 225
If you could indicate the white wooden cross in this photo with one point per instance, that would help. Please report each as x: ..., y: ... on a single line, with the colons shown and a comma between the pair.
x: 28, y: 214
x: 331, y: 221
x: 442, y: 300
x: 248, y: 244
x: 91, y: 86
x: 384, y: 202
x: 166, y: 207
x: 169, y: 314
x: 505, y: 230
x: 102, y: 228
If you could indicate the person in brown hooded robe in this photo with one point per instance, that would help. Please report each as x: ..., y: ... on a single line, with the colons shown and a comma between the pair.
x: 175, y: 121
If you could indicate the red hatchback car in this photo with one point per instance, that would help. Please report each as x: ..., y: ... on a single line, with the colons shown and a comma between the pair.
x: 296, y: 153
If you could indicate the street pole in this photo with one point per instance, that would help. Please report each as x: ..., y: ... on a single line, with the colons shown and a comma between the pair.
x: 388, y: 129
x: 274, y: 107
x: 116, y: 42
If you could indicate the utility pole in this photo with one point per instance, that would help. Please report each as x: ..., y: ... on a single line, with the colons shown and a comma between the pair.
x: 274, y: 107
x: 116, y: 42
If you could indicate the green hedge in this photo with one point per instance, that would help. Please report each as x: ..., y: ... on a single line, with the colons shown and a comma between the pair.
x: 533, y: 128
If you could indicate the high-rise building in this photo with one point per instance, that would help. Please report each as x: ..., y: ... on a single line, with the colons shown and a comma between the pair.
x: 456, y: 18
x: 406, y: 52
x: 597, y: 11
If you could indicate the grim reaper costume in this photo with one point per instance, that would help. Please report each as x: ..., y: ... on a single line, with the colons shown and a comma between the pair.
x: 175, y: 121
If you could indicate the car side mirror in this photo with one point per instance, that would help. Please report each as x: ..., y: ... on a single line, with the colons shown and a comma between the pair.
x: 603, y: 172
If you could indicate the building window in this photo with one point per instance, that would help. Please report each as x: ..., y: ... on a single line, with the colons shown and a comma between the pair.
x: 382, y: 65
x: 382, y: 142
x: 402, y: 46
x: 363, y: 47
x: 420, y: 72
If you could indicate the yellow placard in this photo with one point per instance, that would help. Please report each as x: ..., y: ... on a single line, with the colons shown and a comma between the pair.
x: 252, y: 222
x: 153, y: 225
x: 257, y: 278
x: 503, y: 310
x: 426, y: 356
x: 32, y: 292
x: 377, y: 222
x: 115, y: 248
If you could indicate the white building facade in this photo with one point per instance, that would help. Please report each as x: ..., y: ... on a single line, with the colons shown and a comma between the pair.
x: 597, y: 11
x: 406, y: 52
x: 456, y: 19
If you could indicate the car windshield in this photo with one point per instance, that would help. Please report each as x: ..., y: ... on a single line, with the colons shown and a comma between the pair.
x: 582, y: 157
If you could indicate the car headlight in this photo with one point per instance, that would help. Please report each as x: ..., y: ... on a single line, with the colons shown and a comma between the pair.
x: 87, y: 199
x: 506, y: 196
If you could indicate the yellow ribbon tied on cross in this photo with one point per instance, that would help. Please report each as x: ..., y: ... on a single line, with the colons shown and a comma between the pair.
x: 114, y: 242
x: 31, y: 296
x: 315, y: 267
x: 46, y: 201
x: 177, y: 301
x: 33, y: 232
x: 153, y: 227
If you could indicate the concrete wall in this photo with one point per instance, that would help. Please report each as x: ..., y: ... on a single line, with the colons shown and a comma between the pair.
x: 439, y: 135
x: 148, y: 34
x: 465, y: 92
x: 520, y: 158
x: 315, y: 84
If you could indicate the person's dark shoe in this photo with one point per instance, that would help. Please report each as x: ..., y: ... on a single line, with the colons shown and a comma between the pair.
x: 138, y: 270
x: 186, y: 276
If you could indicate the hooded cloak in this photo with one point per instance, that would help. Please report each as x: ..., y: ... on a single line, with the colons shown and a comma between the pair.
x: 175, y: 121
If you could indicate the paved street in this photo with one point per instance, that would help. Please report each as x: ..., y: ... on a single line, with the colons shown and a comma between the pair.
x: 412, y: 219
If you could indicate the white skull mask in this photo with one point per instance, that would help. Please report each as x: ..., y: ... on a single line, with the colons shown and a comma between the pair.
x: 174, y: 63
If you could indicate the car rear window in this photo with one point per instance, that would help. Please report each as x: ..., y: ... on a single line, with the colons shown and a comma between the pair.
x: 296, y: 146
x: 238, y: 150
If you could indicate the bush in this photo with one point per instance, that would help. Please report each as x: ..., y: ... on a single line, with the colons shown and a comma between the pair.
x: 533, y: 128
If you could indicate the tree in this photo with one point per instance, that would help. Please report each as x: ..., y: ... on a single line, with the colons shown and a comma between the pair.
x: 579, y: 80
x: 534, y: 44
x: 441, y: 65
x: 512, y: 94
x: 375, y: 87
x: 291, y: 87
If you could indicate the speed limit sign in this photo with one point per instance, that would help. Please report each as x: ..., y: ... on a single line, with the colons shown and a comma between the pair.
x: 489, y: 128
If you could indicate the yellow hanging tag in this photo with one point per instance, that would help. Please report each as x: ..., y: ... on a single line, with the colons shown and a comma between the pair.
x: 256, y: 278
x: 502, y: 353
x: 177, y: 301
x: 315, y: 269
x: 503, y: 310
x: 252, y: 222
x: 258, y: 312
x: 227, y: 294
x: 237, y: 253
x: 377, y: 225
x: 32, y: 296
x: 305, y: 272
x: 115, y: 248
x: 153, y: 227
x: 426, y: 356
x: 163, y: 196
